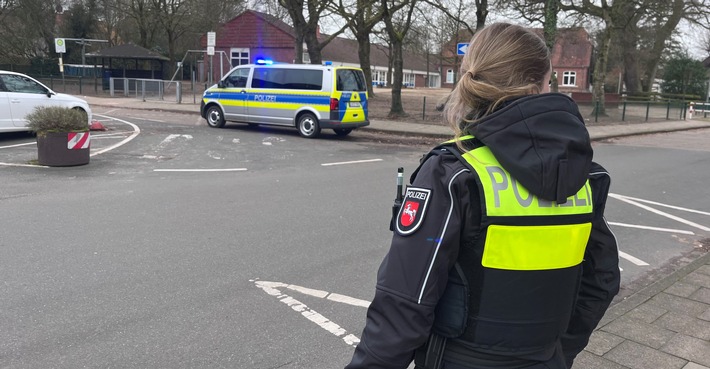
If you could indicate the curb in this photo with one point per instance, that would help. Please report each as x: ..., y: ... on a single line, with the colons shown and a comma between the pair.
x: 628, y: 303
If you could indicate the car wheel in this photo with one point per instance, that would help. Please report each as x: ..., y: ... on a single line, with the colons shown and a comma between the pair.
x: 308, y: 126
x: 214, y: 117
x: 342, y: 131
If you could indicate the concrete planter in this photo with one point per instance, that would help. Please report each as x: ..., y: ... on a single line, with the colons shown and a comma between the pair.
x: 63, y: 149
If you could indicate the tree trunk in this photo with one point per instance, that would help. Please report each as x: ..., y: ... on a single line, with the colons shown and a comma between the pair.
x: 481, y: 13
x: 363, y: 53
x: 550, y: 32
x: 313, y: 48
x: 631, y: 75
x: 600, y: 73
x: 662, y: 34
x: 298, y: 47
x: 396, y: 109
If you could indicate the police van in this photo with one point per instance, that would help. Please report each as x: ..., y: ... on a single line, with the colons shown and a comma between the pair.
x: 306, y: 96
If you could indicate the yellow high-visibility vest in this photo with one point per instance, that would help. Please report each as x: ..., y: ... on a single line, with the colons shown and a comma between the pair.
x: 525, y: 232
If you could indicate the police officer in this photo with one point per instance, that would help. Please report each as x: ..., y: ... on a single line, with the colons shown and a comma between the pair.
x: 501, y: 256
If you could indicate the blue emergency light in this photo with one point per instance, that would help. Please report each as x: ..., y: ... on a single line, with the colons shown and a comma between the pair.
x: 264, y: 61
x: 328, y: 63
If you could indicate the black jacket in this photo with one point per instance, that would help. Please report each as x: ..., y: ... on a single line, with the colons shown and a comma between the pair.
x: 543, y: 143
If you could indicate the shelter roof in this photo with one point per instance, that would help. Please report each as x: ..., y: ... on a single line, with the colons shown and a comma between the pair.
x: 128, y: 51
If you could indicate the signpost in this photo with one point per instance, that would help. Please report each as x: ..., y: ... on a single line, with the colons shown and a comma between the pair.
x: 211, y: 42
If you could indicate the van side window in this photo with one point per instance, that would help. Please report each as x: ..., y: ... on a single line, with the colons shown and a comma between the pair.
x: 350, y: 80
x: 238, y: 78
x: 289, y: 79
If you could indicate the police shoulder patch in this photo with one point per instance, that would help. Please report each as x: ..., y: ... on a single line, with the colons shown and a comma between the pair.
x: 411, y: 213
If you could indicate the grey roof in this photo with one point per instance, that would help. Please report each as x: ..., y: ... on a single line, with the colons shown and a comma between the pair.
x: 346, y: 50
x: 128, y: 51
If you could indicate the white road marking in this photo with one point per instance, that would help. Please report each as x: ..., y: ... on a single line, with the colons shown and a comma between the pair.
x: 101, y: 135
x: 202, y: 170
x: 351, y: 162
x: 136, y: 132
x: 652, y: 228
x: 662, y: 213
x: 18, y: 145
x: 632, y: 259
x: 664, y: 205
x: 214, y: 155
x: 23, y: 165
x: 110, y: 111
x: 150, y: 120
x: 172, y: 138
x: 272, y: 288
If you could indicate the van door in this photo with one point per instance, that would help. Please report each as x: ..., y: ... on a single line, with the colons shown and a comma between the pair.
x: 277, y: 93
x: 234, y: 95
x: 352, y: 104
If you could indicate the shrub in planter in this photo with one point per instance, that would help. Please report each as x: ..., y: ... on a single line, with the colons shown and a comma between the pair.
x: 62, y: 135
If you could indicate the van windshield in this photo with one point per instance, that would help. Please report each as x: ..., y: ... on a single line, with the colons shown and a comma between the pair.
x: 350, y: 80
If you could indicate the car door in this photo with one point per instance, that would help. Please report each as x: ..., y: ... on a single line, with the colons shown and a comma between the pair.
x: 234, y: 94
x: 24, y: 94
x: 5, y: 114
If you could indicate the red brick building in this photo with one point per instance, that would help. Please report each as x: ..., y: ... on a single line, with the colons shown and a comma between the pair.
x: 571, y: 59
x: 253, y: 35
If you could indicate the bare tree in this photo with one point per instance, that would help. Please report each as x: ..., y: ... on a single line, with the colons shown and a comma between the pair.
x: 613, y: 16
x: 142, y: 19
x: 367, y: 15
x: 27, y: 29
x: 306, y: 30
x: 543, y: 12
x: 397, y: 24
x: 666, y: 15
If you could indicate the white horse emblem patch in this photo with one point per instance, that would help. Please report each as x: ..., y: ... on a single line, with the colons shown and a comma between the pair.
x: 413, y: 209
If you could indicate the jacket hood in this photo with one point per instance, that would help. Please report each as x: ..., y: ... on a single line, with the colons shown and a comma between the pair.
x: 542, y: 141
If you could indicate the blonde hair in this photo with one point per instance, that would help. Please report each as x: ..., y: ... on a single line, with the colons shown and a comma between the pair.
x: 503, y: 61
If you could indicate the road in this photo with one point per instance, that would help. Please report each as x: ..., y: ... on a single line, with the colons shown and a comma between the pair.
x: 181, y: 246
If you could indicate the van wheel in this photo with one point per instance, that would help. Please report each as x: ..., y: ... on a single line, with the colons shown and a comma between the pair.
x: 214, y: 117
x: 342, y: 131
x: 308, y: 126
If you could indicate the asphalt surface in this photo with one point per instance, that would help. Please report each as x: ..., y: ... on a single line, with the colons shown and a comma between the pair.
x: 664, y: 325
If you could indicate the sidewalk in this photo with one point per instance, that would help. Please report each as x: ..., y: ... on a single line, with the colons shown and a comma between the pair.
x: 413, y: 129
x: 665, y: 325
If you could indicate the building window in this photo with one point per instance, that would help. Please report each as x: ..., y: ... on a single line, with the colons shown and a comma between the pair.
x: 449, y: 76
x: 408, y: 80
x: 379, y: 78
x: 306, y: 58
x: 569, y: 79
x: 240, y: 57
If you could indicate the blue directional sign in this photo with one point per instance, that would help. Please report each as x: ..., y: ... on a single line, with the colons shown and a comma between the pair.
x: 461, y: 48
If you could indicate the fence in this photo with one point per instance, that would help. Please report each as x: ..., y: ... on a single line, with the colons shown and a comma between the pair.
x: 639, y: 111
x: 72, y: 84
x: 146, y: 89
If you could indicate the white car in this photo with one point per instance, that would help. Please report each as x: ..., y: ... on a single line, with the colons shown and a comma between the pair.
x: 20, y: 94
